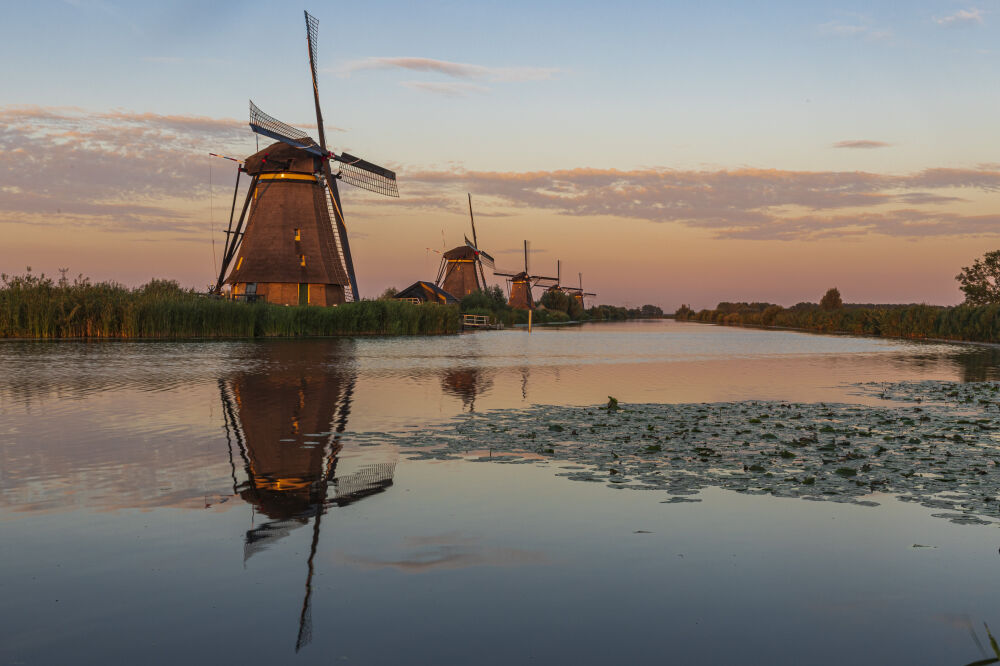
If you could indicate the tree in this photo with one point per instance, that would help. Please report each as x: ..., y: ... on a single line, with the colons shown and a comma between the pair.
x: 981, y: 282
x: 651, y: 312
x: 831, y: 300
x: 388, y: 294
x: 556, y: 300
x: 497, y: 297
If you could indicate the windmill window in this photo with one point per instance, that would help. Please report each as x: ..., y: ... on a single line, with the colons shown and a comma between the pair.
x: 298, y: 234
x: 302, y: 260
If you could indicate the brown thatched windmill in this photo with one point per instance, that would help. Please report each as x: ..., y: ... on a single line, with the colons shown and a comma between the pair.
x: 294, y: 249
x: 461, y: 271
x: 520, y: 284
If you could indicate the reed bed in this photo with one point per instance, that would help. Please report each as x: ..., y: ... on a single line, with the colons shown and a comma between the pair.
x: 33, y: 306
x: 969, y: 323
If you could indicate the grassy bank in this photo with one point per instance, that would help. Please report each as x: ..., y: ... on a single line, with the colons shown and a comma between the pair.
x: 35, y: 307
x: 962, y: 322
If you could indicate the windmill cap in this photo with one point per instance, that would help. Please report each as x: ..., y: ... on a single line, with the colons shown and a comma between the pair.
x: 279, y: 157
x: 460, y: 252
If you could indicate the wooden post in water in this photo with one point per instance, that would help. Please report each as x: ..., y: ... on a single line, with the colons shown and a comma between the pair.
x: 529, y: 321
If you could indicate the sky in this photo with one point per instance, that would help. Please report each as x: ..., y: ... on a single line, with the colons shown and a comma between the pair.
x: 671, y: 152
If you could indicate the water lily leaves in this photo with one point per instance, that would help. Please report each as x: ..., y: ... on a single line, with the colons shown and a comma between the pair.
x: 949, y: 446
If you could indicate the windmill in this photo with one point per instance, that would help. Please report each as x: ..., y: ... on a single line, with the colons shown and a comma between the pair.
x: 521, y: 283
x: 578, y: 293
x: 461, y: 271
x: 558, y: 286
x: 293, y: 246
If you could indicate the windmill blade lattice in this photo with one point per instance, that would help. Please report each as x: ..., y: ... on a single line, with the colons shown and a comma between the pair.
x: 367, y: 176
x: 312, y: 35
x: 261, y: 123
x: 484, y: 257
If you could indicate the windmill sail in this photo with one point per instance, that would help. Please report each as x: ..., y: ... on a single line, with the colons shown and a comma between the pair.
x: 367, y: 176
x: 484, y: 257
x: 271, y: 127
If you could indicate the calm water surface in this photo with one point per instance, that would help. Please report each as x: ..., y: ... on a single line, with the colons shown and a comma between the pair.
x: 166, y: 502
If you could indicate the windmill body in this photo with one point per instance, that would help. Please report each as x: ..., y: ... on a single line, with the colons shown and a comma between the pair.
x: 459, y: 275
x: 288, y: 254
x: 520, y: 292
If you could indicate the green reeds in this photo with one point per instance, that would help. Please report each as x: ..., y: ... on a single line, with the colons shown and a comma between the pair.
x: 33, y: 306
x: 969, y: 323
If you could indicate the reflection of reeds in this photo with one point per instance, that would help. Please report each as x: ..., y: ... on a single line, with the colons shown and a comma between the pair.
x: 35, y: 307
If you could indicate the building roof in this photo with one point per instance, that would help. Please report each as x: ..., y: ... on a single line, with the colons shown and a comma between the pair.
x: 426, y: 291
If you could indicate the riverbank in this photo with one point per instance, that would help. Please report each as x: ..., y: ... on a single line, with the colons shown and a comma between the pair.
x: 961, y: 323
x: 33, y: 307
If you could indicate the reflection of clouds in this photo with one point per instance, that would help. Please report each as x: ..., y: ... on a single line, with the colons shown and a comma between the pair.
x: 446, y: 551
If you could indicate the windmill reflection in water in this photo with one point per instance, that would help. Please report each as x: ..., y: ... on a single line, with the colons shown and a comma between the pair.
x: 465, y: 383
x: 286, y: 423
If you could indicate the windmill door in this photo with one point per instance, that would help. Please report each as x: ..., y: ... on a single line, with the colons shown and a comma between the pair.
x: 303, y: 294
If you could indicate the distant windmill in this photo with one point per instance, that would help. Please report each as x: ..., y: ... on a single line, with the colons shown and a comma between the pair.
x: 461, y: 271
x: 295, y: 247
x: 578, y: 292
x: 522, y: 282
x: 558, y: 286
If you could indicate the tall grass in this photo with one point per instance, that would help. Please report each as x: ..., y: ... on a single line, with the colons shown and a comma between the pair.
x: 33, y: 306
x: 971, y: 323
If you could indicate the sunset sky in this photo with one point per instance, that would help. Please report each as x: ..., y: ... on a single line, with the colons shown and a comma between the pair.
x: 682, y: 152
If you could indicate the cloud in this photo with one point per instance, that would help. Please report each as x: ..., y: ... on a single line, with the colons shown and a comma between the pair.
x: 862, y: 30
x: 861, y: 143
x: 135, y: 171
x: 149, y: 172
x: 962, y: 17
x: 456, y: 70
x: 446, y: 88
x: 763, y: 204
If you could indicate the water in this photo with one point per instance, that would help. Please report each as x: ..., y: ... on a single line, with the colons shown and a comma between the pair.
x: 207, y: 502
